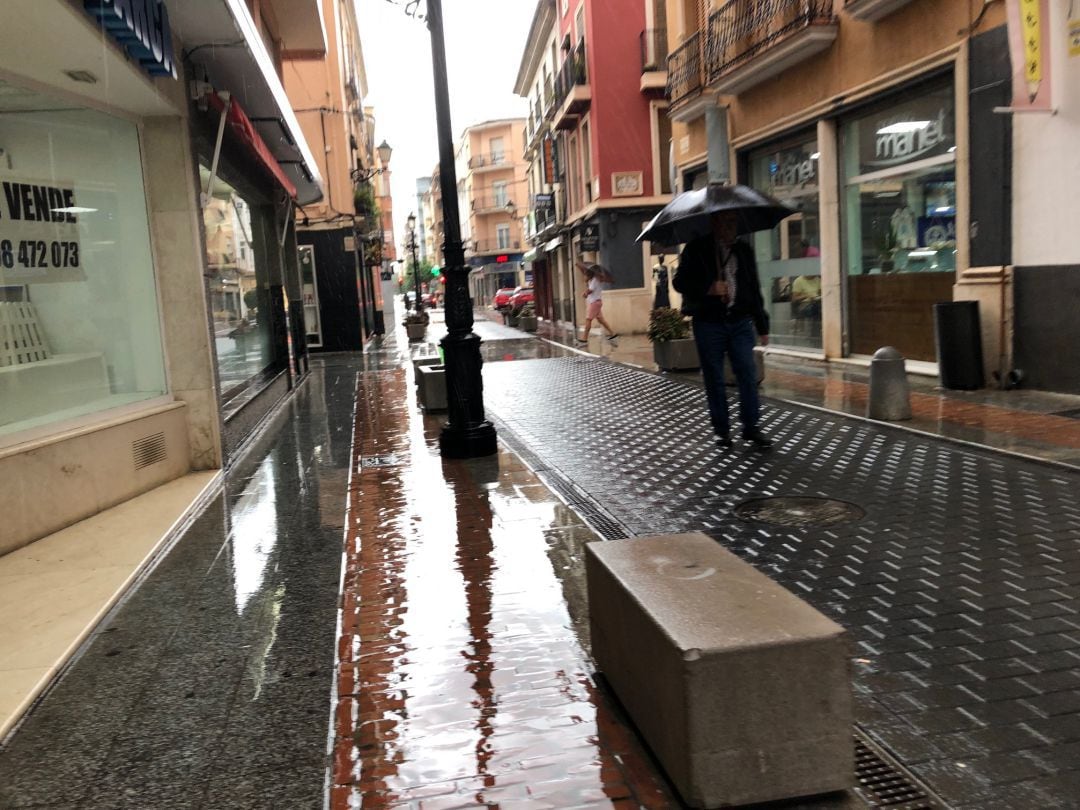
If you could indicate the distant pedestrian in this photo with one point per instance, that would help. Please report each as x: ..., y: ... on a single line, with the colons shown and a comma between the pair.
x: 718, y: 279
x: 596, y: 279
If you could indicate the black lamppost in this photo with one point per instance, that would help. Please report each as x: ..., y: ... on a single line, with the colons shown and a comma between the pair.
x: 468, y: 434
x: 411, y: 245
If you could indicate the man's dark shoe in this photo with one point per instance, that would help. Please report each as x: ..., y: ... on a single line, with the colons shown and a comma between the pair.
x: 758, y: 439
x: 724, y: 441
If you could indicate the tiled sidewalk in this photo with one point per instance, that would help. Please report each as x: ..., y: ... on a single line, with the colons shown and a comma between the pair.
x: 961, y: 585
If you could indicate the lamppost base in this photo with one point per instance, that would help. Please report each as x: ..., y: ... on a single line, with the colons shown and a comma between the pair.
x: 474, y: 442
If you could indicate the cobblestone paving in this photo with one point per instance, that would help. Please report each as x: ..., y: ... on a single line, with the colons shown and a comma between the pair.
x: 960, y: 585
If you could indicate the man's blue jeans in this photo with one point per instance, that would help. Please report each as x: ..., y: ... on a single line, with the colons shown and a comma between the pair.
x: 736, y: 339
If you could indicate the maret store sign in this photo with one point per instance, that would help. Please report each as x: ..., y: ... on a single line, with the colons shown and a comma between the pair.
x: 142, y: 28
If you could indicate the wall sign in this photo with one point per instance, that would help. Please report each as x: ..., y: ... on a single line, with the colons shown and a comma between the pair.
x: 1029, y: 49
x: 626, y: 184
x: 590, y: 238
x: 142, y: 28
x: 915, y: 130
x: 39, y: 232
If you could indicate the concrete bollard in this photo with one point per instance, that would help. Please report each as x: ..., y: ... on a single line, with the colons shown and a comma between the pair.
x: 890, y: 397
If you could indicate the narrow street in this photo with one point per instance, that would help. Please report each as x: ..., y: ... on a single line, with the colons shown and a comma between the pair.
x: 459, y: 672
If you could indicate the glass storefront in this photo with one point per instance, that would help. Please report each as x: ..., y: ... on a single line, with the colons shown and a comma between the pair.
x: 899, y: 220
x: 79, y: 318
x: 789, y: 256
x: 238, y: 247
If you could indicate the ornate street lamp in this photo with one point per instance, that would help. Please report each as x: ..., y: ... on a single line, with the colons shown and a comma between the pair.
x: 467, y: 434
x: 363, y: 175
x: 411, y: 223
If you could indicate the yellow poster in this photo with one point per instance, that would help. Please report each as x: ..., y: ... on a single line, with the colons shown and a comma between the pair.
x: 1074, y: 36
x: 1031, y: 26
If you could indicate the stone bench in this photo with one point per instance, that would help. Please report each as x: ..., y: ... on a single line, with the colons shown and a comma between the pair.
x: 741, y: 690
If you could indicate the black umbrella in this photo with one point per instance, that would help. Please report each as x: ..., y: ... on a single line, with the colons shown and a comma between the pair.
x: 689, y: 215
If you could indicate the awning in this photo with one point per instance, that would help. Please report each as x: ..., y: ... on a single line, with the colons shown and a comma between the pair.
x: 530, y: 255
x: 244, y: 132
x: 554, y: 243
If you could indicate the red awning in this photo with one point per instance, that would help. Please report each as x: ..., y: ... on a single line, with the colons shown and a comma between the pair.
x: 245, y: 133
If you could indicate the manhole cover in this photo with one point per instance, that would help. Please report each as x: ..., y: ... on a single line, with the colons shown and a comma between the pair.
x: 796, y: 511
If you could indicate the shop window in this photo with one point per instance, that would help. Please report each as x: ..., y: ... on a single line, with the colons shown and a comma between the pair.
x: 240, y: 302
x: 79, y: 320
x: 900, y: 221
x: 789, y: 256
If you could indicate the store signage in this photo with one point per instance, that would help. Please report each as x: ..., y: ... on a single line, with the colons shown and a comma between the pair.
x: 1028, y: 21
x: 39, y: 232
x: 544, y: 206
x: 914, y: 131
x: 142, y: 28
x: 590, y: 238
x: 794, y: 168
x: 1074, y: 36
x: 551, y: 161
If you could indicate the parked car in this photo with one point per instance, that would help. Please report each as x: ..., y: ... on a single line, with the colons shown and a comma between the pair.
x: 521, y: 297
x: 430, y: 300
x: 502, y: 298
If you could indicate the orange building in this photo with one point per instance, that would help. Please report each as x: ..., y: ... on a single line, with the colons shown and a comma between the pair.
x: 492, y: 198
x: 342, y: 240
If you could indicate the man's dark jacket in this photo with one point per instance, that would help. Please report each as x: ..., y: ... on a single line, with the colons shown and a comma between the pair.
x: 698, y: 270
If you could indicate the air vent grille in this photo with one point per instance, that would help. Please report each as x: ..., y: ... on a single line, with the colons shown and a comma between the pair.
x: 148, y: 450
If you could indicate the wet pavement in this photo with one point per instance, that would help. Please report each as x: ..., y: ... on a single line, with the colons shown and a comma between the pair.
x: 443, y: 660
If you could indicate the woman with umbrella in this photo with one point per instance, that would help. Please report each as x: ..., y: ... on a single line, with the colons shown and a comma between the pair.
x: 718, y: 279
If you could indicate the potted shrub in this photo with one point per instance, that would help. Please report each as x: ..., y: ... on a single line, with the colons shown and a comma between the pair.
x: 527, y: 318
x: 416, y: 324
x: 673, y: 348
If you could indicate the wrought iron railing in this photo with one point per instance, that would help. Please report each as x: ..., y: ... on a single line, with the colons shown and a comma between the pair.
x: 684, y: 70
x: 740, y: 30
x: 489, y: 160
x: 654, y: 49
x: 491, y: 202
x: 493, y: 245
x: 573, y: 72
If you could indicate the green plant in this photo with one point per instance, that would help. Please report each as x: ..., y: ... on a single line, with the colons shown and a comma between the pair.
x: 416, y: 317
x: 667, y: 324
x: 527, y: 310
x: 364, y: 200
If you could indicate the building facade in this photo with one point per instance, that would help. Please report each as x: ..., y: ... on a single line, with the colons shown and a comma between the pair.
x: 597, y: 140
x: 147, y: 251
x: 491, y: 185
x: 341, y: 236
x: 880, y: 125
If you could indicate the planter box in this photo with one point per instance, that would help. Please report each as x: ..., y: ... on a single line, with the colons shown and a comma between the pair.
x: 676, y: 355
x: 415, y: 331
x: 511, y: 320
x: 432, y: 387
x: 527, y: 322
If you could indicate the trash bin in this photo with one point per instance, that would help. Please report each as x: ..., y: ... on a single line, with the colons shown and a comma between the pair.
x: 959, y: 344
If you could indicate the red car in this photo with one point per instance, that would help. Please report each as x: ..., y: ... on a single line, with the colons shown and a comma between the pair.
x: 502, y: 298
x: 521, y: 297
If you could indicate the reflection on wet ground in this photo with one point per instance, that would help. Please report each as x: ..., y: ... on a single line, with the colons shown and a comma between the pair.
x: 206, y: 687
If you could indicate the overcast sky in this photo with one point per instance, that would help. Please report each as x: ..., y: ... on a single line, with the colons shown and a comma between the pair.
x: 484, y: 44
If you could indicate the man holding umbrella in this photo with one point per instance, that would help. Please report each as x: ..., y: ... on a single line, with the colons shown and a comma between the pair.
x: 718, y: 279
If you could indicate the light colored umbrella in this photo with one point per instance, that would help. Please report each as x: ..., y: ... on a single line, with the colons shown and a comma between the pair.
x: 689, y: 215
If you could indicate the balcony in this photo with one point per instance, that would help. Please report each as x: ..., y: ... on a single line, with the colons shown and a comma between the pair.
x: 654, y: 56
x: 491, y: 204
x: 547, y: 212
x: 872, y: 10
x: 573, y: 96
x: 751, y: 41
x: 492, y: 247
x: 685, y: 80
x: 491, y: 162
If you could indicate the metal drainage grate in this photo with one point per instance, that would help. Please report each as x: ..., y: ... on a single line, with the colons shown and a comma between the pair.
x: 882, y: 782
x: 798, y: 511
x: 390, y: 460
